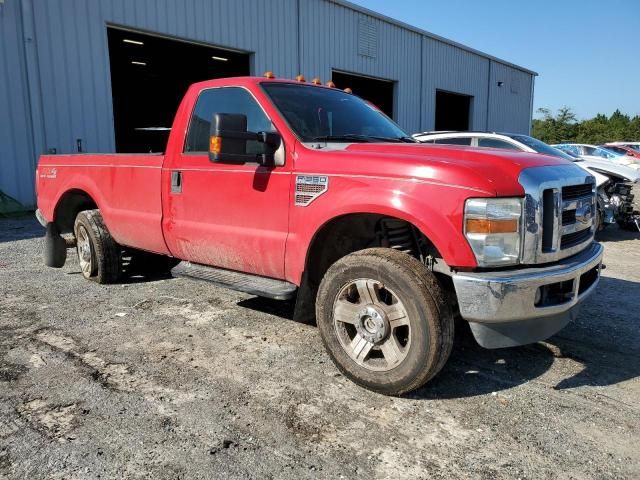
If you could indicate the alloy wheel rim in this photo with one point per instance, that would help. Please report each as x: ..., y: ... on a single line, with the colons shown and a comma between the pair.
x: 85, y: 253
x: 372, y: 324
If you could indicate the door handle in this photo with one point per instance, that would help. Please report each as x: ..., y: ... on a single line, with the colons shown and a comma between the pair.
x: 176, y: 181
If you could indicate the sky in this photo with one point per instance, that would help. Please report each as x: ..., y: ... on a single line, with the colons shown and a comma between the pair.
x: 586, y: 53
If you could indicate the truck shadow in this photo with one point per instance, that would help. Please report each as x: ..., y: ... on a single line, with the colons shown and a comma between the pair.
x: 614, y: 233
x: 601, y: 348
x: 278, y: 308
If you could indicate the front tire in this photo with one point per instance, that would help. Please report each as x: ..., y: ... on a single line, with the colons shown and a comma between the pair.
x: 98, y: 253
x: 384, y: 320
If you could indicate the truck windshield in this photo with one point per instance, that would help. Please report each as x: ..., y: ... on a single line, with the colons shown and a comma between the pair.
x: 541, y: 147
x: 330, y: 115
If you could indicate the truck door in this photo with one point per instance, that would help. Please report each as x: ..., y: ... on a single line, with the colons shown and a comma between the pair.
x: 226, y: 215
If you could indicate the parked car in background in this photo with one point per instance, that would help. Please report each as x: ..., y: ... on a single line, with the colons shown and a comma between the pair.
x: 615, y: 182
x: 593, y: 152
x: 622, y: 149
x: 635, y: 146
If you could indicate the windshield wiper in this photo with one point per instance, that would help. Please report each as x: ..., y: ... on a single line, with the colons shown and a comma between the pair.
x: 362, y: 138
x: 338, y: 138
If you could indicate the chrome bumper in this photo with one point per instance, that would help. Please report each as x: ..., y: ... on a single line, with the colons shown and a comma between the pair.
x: 501, y: 306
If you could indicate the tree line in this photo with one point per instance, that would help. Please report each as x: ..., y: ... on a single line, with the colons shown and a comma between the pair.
x: 564, y: 127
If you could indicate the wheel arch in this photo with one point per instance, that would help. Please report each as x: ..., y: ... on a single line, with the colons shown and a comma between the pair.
x: 369, y: 231
x: 350, y: 232
x: 68, y: 206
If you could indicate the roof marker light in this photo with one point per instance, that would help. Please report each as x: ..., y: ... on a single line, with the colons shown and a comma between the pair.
x: 133, y: 42
x: 330, y: 84
x: 269, y: 74
x: 316, y: 81
x: 348, y: 90
x: 300, y: 78
x: 220, y: 59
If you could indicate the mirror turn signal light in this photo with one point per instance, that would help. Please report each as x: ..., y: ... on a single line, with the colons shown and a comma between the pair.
x: 316, y: 81
x: 269, y: 74
x: 485, y: 225
x: 300, y: 78
x: 215, y: 144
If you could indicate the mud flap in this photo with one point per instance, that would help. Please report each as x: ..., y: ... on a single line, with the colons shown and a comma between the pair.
x: 55, y: 247
x: 305, y: 308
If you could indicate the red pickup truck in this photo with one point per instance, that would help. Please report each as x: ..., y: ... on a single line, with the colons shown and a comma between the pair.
x: 289, y: 189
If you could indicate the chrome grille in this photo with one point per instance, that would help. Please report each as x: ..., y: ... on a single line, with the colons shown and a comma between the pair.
x: 578, y: 213
x: 559, y: 212
x: 575, y: 238
x: 571, y: 192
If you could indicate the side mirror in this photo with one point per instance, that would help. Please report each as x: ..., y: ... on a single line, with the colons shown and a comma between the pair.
x: 230, y: 142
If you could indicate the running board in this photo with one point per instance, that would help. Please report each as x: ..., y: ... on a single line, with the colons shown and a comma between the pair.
x: 243, y: 282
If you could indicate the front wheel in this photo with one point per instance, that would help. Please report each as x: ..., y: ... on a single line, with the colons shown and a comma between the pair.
x: 384, y: 320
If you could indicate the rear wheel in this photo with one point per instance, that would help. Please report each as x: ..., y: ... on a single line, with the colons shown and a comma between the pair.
x: 98, y: 253
x: 384, y: 320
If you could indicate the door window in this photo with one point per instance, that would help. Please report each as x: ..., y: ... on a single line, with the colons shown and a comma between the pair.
x: 454, y: 141
x: 226, y: 100
x: 495, y: 143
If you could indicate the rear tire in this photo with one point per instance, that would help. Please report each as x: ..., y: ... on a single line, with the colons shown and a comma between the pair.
x: 98, y: 253
x: 384, y: 319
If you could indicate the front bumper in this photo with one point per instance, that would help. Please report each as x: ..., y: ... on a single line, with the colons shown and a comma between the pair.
x: 501, y: 306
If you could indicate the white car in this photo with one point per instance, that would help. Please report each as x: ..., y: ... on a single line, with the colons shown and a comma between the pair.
x: 593, y: 152
x: 615, y: 202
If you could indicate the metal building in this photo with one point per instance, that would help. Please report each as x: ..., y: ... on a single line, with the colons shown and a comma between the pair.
x: 94, y: 75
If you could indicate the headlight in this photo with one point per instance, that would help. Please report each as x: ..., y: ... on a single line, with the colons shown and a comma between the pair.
x: 492, y: 228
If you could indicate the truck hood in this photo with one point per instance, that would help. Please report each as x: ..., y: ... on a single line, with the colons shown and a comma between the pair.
x: 492, y: 171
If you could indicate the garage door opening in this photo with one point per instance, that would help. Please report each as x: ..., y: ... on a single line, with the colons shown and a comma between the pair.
x: 452, y: 111
x: 149, y: 77
x: 378, y: 92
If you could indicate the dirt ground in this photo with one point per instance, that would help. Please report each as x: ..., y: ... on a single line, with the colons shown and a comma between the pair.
x: 171, y: 378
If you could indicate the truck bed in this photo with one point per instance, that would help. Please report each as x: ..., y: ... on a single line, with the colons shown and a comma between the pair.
x: 125, y: 187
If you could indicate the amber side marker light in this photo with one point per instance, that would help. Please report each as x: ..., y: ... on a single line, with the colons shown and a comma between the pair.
x: 215, y: 144
x: 483, y: 225
x: 269, y: 74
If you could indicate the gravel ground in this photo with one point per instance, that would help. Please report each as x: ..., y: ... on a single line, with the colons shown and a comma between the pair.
x: 170, y: 378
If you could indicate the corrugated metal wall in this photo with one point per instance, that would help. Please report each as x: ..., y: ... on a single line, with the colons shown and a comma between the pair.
x: 58, y: 67
x: 17, y: 154
x: 74, y: 61
x: 510, y: 105
x: 446, y: 67
x: 329, y: 40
